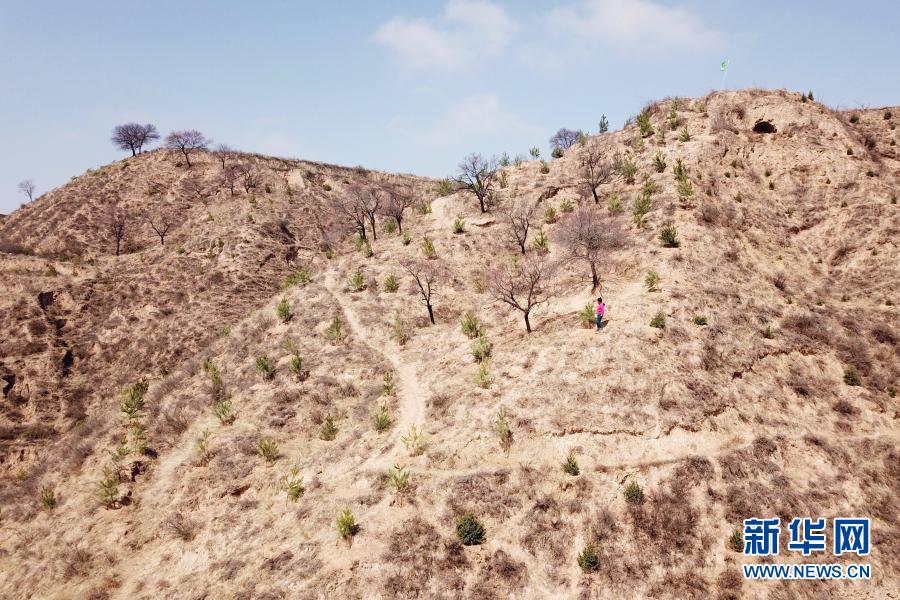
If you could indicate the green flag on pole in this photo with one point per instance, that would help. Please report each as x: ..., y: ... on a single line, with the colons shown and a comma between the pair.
x: 724, y: 66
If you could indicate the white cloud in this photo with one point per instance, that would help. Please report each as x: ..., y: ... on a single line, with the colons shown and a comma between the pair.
x: 466, y: 30
x: 634, y: 26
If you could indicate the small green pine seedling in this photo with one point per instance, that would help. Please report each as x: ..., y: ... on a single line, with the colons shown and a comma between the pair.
x: 48, y: 498
x: 668, y: 235
x: 108, y: 487
x: 736, y: 541
x: 459, y: 225
x: 588, y: 560
x: 398, y: 332
x: 699, y: 320
x: 483, y: 378
x: 570, y: 465
x: 643, y: 123
x: 542, y: 242
x: 586, y: 316
x: 658, y: 321
x: 614, y: 203
x: 292, y: 484
x: 388, y: 387
x: 470, y: 325
x: 414, y: 441
x: 469, y: 530
x: 550, y: 215
x: 398, y: 478
x: 428, y: 248
x: 335, y: 331
x: 266, y: 367
x: 851, y: 376
x: 481, y: 348
x: 329, y: 429
x: 268, y: 449
x: 203, y: 451
x: 503, y: 431
x: 357, y: 281
x: 391, y: 284
x: 301, y: 277
x: 346, y: 525
x: 633, y: 493
x: 283, y: 310
x: 685, y: 135
x: 382, y: 419
x: 404, y: 237
x: 566, y: 206
x: 223, y: 412
x: 651, y: 281
x: 659, y: 162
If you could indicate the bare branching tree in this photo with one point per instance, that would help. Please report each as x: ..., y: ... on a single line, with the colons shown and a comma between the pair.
x: 478, y: 175
x: 371, y: 203
x: 518, y: 217
x: 399, y: 198
x: 588, y: 236
x: 564, y: 138
x: 187, y: 142
x: 426, y: 274
x: 161, y: 221
x: 117, y: 225
x: 27, y: 187
x: 250, y: 176
x: 596, y: 169
x: 133, y: 136
x: 353, y: 207
x: 193, y: 186
x: 224, y: 152
x: 522, y: 284
x: 228, y: 178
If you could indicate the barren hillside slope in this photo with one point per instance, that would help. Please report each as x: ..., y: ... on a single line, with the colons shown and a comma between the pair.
x: 765, y: 387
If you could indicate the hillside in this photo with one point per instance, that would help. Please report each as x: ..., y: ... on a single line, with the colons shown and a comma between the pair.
x: 780, y: 292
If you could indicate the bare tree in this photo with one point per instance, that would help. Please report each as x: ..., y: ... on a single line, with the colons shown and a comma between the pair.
x: 426, y: 275
x: 399, y: 198
x: 564, y: 138
x: 522, y: 284
x: 188, y: 142
x: 117, y: 224
x: 194, y: 186
x: 161, y: 221
x: 353, y: 206
x: 590, y: 237
x: 228, y: 178
x: 224, y: 152
x: 133, y: 136
x: 596, y: 169
x: 250, y: 176
x: 371, y: 202
x: 27, y: 187
x: 518, y: 217
x: 478, y: 175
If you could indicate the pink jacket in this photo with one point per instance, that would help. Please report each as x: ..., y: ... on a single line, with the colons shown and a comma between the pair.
x: 601, y: 308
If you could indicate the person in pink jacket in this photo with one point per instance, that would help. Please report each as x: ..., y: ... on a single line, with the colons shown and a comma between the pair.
x: 601, y: 310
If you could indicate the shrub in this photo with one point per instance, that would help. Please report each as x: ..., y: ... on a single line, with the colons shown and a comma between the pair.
x: 542, y: 242
x: 469, y: 530
x: 133, y: 403
x: 658, y: 321
x: 659, y: 162
x: 48, y: 498
x: 588, y: 560
x: 222, y: 410
x: 335, y: 331
x: 887, y: 115
x: 398, y: 478
x: 428, y: 248
x: 357, y: 281
x: 642, y: 205
x: 851, y: 376
x: 390, y: 225
x: 614, y: 203
x: 679, y: 170
x: 483, y: 378
x: 459, y: 225
x: 566, y: 205
x: 699, y: 320
x: 668, y: 235
x: 643, y: 123
x: 503, y: 431
x: 685, y: 190
x: 398, y: 332
x: 388, y: 386
x: 545, y: 168
x: 283, y: 310
x: 266, y: 366
x: 854, y: 118
x: 108, y: 487
x: 346, y: 525
x: 628, y: 169
x: 268, y: 449
x: 633, y: 493
x: 557, y: 152
x: 570, y: 465
x: 292, y: 484
x: 203, y: 451
x: 329, y: 429
x: 604, y: 124
x: 481, y: 347
x: 651, y: 281
x: 736, y: 541
x: 685, y: 135
x: 672, y: 118
x: 297, y: 369
x: 414, y: 441
x: 444, y: 187
x: 550, y: 215
x: 849, y: 151
x: 586, y: 316
x: 382, y: 419
x: 535, y: 152
x: 471, y: 326
x: 367, y: 250
x: 301, y: 277
x: 424, y: 208
x: 405, y: 238
x: 391, y: 284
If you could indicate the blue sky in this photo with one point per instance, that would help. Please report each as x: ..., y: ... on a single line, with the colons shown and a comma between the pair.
x: 401, y: 86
